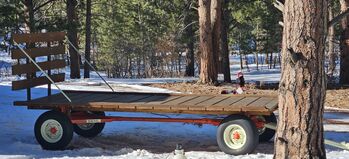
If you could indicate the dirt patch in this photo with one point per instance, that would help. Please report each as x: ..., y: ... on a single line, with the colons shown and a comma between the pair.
x: 336, y: 98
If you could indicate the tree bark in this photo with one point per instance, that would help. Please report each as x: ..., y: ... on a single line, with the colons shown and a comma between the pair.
x: 29, y: 16
x: 208, y: 69
x: 73, y: 37
x: 224, y: 42
x: 216, y: 21
x: 87, y: 40
x: 331, y: 53
x: 344, y: 46
x: 302, y: 88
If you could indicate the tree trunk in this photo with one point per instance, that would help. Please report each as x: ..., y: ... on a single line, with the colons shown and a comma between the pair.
x: 190, y: 34
x: 246, y: 62
x: 88, y: 40
x: 73, y: 37
x: 225, y: 45
x: 257, y: 61
x: 216, y: 21
x: 331, y: 53
x: 208, y: 69
x: 271, y: 61
x: 241, y: 61
x: 266, y: 58
x: 302, y: 87
x: 190, y: 70
x: 29, y: 16
x: 344, y: 46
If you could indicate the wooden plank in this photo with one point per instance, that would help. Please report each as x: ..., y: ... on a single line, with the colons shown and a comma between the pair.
x: 212, y: 101
x: 91, y: 98
x: 240, y: 104
x: 182, y: 103
x: 112, y: 103
x: 177, y: 104
x: 37, y: 52
x: 143, y: 104
x: 261, y: 102
x: 150, y: 98
x: 130, y: 98
x: 258, y: 105
x: 56, y: 99
x: 44, y: 100
x: 126, y: 98
x: 246, y: 101
x: 38, y: 37
x: 222, y: 104
x: 101, y: 98
x: 180, y: 100
x: 197, y: 100
x: 272, y: 105
x: 229, y: 101
x: 28, y: 83
x: 83, y: 98
x: 193, y: 103
x: 170, y: 98
x: 31, y: 68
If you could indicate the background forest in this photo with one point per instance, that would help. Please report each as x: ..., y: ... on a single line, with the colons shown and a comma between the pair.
x: 161, y: 37
x: 150, y: 38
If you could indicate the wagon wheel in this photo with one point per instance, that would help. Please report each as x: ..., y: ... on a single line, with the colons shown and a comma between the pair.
x: 237, y: 135
x: 53, y: 130
x: 90, y: 130
x: 266, y: 134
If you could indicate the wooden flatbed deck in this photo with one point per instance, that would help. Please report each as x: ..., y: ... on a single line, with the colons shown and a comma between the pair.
x: 157, y: 103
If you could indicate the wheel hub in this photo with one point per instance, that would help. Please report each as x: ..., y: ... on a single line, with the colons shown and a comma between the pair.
x: 235, y: 136
x: 51, y: 131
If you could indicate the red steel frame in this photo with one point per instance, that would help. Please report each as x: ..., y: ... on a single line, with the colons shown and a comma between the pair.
x: 83, y: 118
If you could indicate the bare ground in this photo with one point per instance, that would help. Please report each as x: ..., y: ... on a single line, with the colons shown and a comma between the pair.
x: 336, y: 98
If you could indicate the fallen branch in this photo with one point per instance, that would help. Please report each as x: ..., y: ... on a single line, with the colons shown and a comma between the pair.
x: 338, y: 18
x: 42, y: 5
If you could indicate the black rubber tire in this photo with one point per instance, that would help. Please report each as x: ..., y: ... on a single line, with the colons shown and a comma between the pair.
x: 268, y: 134
x: 94, y: 131
x: 66, y: 125
x: 250, y: 129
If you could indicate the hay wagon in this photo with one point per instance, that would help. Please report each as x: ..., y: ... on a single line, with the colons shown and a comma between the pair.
x: 243, y: 120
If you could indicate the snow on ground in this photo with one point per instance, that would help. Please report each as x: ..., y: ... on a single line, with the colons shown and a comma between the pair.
x: 252, y: 74
x: 124, y: 140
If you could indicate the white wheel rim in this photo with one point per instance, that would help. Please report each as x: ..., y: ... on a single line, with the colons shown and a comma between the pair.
x: 235, y: 136
x: 87, y: 126
x: 51, y: 131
